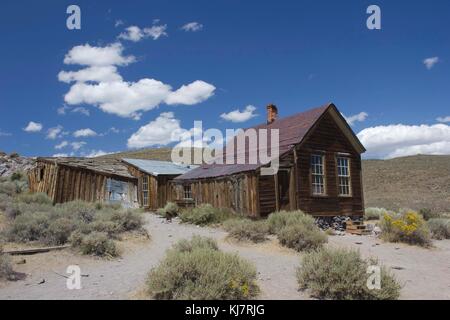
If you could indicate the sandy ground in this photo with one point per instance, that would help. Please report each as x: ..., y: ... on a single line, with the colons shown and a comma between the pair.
x: 424, y: 272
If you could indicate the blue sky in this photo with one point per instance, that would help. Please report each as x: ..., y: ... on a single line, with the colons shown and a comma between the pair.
x: 234, y: 55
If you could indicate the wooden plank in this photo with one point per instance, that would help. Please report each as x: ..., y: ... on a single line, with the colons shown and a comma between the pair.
x: 35, y: 250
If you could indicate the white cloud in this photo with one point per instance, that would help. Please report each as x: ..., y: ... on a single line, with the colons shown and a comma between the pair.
x: 60, y: 155
x: 95, y: 73
x: 102, y: 86
x: 240, y: 116
x: 33, y: 127
x: 5, y: 134
x: 109, y: 55
x: 118, y: 23
x: 403, y: 140
x: 81, y: 110
x: 135, y: 34
x: 430, y: 62
x: 62, y: 110
x: 96, y: 153
x: 192, y: 26
x: 360, y: 117
x: 161, y: 131
x: 84, y: 133
x: 54, y: 132
x: 61, y: 145
x: 192, y: 93
x: 443, y: 119
x: 78, y: 145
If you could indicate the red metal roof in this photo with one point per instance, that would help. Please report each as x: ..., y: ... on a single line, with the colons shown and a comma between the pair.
x: 292, y: 130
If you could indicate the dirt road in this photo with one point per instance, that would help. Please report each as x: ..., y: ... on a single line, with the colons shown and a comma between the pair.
x: 425, y: 273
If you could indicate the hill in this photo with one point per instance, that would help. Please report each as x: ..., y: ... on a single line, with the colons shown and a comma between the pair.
x: 414, y: 182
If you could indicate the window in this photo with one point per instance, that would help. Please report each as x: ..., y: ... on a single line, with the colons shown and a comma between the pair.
x: 41, y: 174
x: 343, y: 169
x: 145, y: 191
x: 318, y: 176
x: 187, y: 192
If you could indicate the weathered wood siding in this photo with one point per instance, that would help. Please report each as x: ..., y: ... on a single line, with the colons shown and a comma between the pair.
x: 328, y: 139
x: 42, y: 178
x: 238, y: 192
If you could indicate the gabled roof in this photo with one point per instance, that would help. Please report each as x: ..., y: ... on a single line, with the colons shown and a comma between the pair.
x: 292, y: 131
x: 105, y: 166
x: 156, y: 167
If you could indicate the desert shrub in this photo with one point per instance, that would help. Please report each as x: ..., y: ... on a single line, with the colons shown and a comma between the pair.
x: 59, y: 231
x: 8, y: 187
x: 196, y: 242
x: 127, y: 220
x: 5, y: 201
x: 247, y: 230
x: 439, y: 228
x: 374, y: 213
x: 302, y: 236
x: 407, y: 226
x: 205, y: 214
x: 95, y: 243
x: 428, y: 214
x: 199, y: 271
x: 29, y: 227
x: 342, y: 274
x: 18, y: 176
x: 6, y: 270
x: 80, y: 210
x: 278, y: 220
x: 13, y: 155
x: 39, y: 198
x: 170, y: 210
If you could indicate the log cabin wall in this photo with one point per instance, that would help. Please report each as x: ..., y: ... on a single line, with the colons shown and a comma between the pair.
x: 238, y: 192
x: 327, y: 139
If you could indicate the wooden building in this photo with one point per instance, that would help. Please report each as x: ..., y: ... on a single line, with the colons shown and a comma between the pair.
x: 319, y: 170
x: 153, y: 180
x: 94, y: 180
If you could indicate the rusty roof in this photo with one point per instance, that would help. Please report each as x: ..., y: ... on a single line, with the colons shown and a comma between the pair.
x: 106, y: 166
x: 292, y: 130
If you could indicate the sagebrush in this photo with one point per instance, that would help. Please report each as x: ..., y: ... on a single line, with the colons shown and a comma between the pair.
x: 341, y: 274
x: 205, y: 214
x: 198, y: 270
x: 439, y: 228
x: 247, y: 230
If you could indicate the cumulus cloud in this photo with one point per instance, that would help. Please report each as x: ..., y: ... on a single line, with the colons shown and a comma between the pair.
x: 118, y: 23
x: 360, y: 117
x: 102, y: 86
x: 430, y: 62
x: 54, y: 132
x: 192, y: 93
x: 136, y: 34
x: 60, y: 155
x: 96, y: 74
x: 192, y: 26
x: 161, y: 131
x: 78, y: 145
x: 61, y: 145
x: 240, y: 116
x: 109, y: 55
x: 403, y: 140
x: 33, y: 127
x: 82, y: 110
x: 96, y: 153
x: 84, y: 133
x: 443, y: 119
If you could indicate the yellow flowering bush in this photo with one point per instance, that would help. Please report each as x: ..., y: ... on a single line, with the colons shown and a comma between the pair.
x: 406, y: 226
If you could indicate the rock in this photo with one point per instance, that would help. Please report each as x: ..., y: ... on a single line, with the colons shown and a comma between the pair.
x: 21, y: 261
x: 42, y: 281
x: 358, y: 242
x: 13, y: 163
x: 398, y: 268
x: 376, y: 230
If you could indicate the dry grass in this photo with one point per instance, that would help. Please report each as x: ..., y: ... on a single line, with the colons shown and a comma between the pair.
x: 414, y: 182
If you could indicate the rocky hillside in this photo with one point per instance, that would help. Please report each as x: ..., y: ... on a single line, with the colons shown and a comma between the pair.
x: 10, y: 163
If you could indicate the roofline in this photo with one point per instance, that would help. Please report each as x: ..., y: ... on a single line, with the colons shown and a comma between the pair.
x: 150, y: 173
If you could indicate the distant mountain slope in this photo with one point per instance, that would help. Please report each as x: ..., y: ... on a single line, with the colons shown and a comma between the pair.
x: 414, y: 182
x: 409, y: 182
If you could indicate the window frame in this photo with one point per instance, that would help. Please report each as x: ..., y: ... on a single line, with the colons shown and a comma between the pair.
x: 187, y: 190
x: 145, y: 191
x: 322, y: 174
x: 348, y: 176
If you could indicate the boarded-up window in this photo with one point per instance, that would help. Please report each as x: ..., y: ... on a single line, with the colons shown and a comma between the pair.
x: 145, y: 191
x: 343, y: 169
x: 187, y: 191
x: 317, y: 174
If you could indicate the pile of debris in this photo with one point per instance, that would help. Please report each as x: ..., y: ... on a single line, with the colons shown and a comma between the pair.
x: 13, y: 163
x: 337, y: 223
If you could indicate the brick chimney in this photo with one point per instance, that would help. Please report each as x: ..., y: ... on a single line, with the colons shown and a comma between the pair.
x: 272, y: 113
